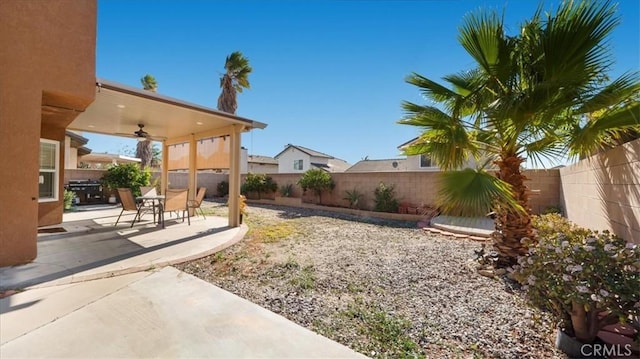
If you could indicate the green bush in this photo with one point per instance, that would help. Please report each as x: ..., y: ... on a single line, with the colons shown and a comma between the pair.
x: 258, y: 183
x: 316, y: 180
x: 385, y: 199
x: 126, y: 176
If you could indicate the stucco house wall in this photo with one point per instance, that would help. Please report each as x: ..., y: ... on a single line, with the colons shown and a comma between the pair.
x: 286, y: 158
x: 47, y: 67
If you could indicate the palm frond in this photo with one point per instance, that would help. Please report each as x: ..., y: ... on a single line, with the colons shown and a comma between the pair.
x: 472, y: 193
x: 432, y: 89
x: 602, y: 130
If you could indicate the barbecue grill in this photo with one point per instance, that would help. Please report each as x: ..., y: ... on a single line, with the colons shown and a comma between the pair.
x: 87, y: 191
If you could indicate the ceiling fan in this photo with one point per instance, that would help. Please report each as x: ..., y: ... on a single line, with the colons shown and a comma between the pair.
x: 141, y: 134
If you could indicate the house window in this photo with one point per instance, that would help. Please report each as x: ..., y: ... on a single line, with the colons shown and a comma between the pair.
x: 297, y: 165
x: 49, y: 170
x: 425, y: 161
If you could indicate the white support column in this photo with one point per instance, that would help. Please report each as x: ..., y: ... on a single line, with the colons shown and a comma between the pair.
x: 193, y: 171
x: 234, y: 176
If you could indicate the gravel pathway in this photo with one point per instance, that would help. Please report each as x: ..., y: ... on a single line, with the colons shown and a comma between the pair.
x: 383, y: 288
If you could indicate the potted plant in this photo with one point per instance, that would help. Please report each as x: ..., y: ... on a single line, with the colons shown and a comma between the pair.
x: 586, y: 279
x: 69, y: 199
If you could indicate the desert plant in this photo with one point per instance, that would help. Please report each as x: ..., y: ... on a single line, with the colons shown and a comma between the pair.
x: 385, y: 200
x: 353, y: 197
x: 318, y: 181
x: 586, y: 279
x: 223, y: 188
x: 126, y: 176
x: 286, y: 190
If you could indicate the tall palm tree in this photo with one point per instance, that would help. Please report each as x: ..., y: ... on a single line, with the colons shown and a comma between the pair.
x: 144, y: 150
x: 541, y: 94
x: 233, y: 81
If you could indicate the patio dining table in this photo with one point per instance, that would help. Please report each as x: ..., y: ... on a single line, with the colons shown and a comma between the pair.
x: 153, y: 198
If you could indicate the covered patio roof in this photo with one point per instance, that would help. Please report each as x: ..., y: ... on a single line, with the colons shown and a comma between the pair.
x: 118, y: 109
x: 121, y: 110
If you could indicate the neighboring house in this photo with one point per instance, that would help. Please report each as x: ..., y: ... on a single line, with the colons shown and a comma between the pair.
x: 74, y: 147
x: 421, y: 162
x: 104, y: 160
x: 298, y: 159
x: 391, y: 165
x: 261, y: 164
x: 424, y: 162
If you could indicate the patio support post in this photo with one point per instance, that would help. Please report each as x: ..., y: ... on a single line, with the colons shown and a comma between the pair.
x: 193, y: 171
x: 234, y: 177
x: 164, y: 176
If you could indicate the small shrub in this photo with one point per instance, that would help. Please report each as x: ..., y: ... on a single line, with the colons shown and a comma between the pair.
x: 385, y: 200
x: 318, y: 181
x: 258, y: 183
x: 586, y: 279
x: 286, y: 190
x: 223, y: 189
x: 353, y: 197
x: 552, y: 209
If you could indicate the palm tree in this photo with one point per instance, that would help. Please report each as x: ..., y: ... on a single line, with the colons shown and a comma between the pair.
x: 233, y: 81
x: 541, y: 94
x: 149, y: 83
x: 144, y: 150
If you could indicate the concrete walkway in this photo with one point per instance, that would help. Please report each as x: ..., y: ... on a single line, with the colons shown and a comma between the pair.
x: 99, y: 291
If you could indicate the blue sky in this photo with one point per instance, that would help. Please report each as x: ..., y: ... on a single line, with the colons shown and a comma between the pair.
x: 328, y: 75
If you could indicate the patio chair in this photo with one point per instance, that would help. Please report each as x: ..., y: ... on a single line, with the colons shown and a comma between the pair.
x: 175, y: 200
x: 128, y: 204
x: 195, y: 204
x: 148, y: 204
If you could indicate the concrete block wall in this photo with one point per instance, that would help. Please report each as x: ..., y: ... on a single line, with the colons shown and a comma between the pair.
x: 545, y: 189
x: 603, y: 191
x: 417, y: 188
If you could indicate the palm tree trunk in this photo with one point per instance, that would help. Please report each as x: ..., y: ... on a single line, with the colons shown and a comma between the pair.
x: 512, y: 226
x: 144, y: 153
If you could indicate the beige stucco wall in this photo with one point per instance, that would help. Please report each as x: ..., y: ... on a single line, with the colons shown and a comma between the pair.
x: 47, y: 57
x: 603, y: 191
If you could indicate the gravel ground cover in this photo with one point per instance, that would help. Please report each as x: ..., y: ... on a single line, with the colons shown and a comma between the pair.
x: 384, y: 288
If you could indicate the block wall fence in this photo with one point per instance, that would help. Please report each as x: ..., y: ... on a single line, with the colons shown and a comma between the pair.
x: 601, y: 192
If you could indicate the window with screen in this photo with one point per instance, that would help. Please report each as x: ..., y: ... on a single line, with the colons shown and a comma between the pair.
x: 425, y: 161
x: 297, y: 165
x: 49, y: 167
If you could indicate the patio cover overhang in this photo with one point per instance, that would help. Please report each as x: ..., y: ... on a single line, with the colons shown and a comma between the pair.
x: 118, y: 109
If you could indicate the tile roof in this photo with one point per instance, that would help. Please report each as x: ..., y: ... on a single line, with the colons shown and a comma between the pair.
x: 262, y: 159
x: 388, y: 165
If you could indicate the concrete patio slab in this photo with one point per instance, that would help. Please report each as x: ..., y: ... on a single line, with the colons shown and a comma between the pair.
x: 167, y: 313
x: 475, y: 226
x: 92, y: 247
